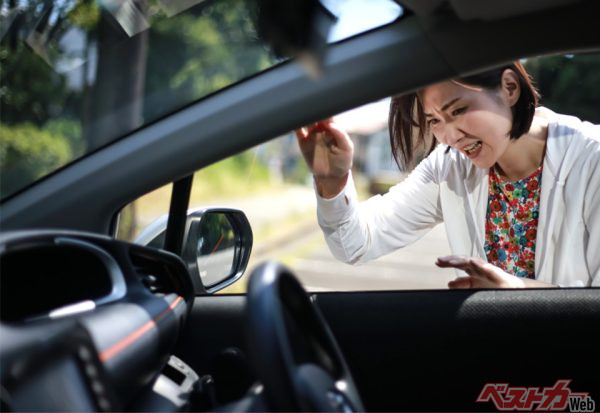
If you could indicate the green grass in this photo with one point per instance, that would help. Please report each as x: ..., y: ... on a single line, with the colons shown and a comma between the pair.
x: 236, y: 176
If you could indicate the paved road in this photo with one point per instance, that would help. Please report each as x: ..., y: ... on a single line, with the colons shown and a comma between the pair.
x: 286, y: 230
x: 306, y: 253
x: 410, y: 268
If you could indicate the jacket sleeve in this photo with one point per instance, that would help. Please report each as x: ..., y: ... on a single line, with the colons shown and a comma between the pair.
x: 592, y: 223
x: 361, y: 231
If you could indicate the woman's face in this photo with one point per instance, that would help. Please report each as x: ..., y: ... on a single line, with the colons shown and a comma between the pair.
x: 473, y: 120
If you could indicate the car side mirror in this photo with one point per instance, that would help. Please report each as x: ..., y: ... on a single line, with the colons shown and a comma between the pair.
x: 216, y: 247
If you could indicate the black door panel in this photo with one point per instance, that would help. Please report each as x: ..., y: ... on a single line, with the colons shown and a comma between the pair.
x: 215, y: 324
x: 434, y: 350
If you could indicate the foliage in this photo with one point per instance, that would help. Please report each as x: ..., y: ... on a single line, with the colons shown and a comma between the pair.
x: 217, y: 46
x: 28, y: 153
x: 236, y: 176
x: 70, y: 130
x: 569, y: 84
x: 85, y: 14
x: 30, y: 91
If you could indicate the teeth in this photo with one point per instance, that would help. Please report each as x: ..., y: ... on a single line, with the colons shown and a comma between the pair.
x: 472, y: 147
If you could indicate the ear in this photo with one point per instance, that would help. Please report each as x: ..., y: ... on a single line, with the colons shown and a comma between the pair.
x: 510, y: 87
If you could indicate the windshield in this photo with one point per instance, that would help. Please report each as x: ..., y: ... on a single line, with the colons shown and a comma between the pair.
x: 76, y: 75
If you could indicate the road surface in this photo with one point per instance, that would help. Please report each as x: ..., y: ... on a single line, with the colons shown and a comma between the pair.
x: 304, y: 250
x: 285, y: 229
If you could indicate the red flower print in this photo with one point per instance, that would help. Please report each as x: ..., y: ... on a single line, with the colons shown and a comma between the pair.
x: 511, y: 225
x: 533, y: 184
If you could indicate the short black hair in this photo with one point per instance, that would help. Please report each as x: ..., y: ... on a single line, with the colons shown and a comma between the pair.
x: 406, y: 112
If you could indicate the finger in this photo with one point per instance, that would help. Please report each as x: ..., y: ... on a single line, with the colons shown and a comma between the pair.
x: 484, y: 268
x: 472, y: 266
x: 452, y: 261
x: 305, y: 131
x: 302, y: 133
x: 454, y: 258
x: 462, y: 267
x: 333, y: 131
x: 460, y: 282
x: 342, y: 140
x: 478, y: 262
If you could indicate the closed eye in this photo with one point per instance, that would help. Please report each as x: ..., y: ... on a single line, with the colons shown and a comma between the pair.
x: 459, y: 111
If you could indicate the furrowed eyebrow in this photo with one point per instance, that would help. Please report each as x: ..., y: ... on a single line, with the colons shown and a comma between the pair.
x: 445, y: 107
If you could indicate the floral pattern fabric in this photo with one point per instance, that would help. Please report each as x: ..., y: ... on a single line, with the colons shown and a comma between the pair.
x: 512, y: 221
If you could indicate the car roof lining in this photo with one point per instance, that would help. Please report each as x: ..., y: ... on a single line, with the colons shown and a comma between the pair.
x: 357, y: 71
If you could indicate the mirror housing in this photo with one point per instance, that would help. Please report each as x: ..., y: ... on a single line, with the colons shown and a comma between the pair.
x: 295, y: 28
x: 216, y: 247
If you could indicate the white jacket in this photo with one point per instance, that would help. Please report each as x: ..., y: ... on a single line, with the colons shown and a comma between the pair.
x: 449, y: 188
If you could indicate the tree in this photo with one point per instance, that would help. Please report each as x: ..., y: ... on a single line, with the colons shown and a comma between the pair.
x: 569, y: 84
x: 118, y: 93
x: 28, y: 153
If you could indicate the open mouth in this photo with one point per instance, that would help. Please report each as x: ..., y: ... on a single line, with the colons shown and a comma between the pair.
x: 472, y: 147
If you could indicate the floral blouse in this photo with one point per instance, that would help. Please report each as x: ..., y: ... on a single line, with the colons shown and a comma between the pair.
x: 511, y: 224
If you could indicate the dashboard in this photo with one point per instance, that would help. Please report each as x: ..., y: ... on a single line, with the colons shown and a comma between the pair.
x: 88, y: 323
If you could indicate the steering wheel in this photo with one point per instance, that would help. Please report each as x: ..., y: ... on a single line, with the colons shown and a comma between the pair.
x: 291, y: 348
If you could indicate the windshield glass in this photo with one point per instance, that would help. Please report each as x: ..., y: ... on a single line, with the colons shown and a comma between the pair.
x: 76, y: 75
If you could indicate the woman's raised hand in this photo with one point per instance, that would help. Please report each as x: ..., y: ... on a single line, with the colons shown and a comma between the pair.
x: 328, y: 151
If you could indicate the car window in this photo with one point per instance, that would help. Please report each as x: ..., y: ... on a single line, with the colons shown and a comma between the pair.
x: 272, y: 185
x: 141, y: 213
x: 77, y: 75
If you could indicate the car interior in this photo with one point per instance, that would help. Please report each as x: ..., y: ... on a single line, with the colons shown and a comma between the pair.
x: 93, y: 323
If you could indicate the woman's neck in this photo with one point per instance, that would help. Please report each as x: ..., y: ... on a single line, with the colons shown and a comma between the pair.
x: 524, y: 155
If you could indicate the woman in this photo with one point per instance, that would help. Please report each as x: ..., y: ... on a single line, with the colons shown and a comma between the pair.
x: 516, y: 185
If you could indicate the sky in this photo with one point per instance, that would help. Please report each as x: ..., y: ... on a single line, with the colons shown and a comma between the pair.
x: 356, y: 16
x: 365, y: 119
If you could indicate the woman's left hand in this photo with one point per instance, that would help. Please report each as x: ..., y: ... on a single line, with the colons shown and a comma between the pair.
x: 482, y: 274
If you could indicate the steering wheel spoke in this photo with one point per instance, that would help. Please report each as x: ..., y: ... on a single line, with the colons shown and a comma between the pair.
x: 322, y: 392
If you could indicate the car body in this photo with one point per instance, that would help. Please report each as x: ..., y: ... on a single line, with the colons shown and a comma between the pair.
x: 147, y: 336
